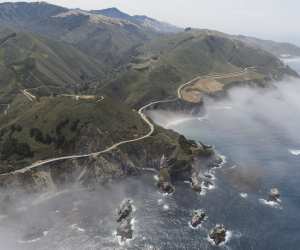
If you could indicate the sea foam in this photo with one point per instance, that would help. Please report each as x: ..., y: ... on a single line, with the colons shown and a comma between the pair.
x: 294, y: 151
x: 271, y: 203
x: 244, y: 195
x: 76, y: 227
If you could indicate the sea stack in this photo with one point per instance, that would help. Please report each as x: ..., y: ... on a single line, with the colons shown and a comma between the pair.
x: 274, y: 195
x: 198, y: 217
x: 125, y: 230
x: 124, y: 210
x: 218, y: 234
x: 164, y: 182
x: 196, y: 185
x: 207, y: 183
x: 124, y: 218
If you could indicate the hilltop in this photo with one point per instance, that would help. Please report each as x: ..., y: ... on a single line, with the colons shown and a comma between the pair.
x: 142, y: 20
x: 109, y: 41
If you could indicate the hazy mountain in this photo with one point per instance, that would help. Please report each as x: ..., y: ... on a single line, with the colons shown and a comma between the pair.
x: 114, y: 13
x: 142, y: 20
x: 110, y: 41
x: 276, y: 48
x: 24, y: 14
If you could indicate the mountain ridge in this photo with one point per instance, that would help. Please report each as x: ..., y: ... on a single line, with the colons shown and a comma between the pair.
x: 143, y: 20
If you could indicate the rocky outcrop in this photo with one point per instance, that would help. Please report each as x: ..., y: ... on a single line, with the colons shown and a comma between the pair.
x: 124, y: 210
x: 218, y: 234
x: 274, y: 195
x: 124, y: 230
x: 164, y: 181
x: 198, y: 217
x: 124, y: 218
x: 207, y: 183
x: 195, y: 183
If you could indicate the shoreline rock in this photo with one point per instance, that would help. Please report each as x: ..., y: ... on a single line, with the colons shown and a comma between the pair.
x: 124, y: 218
x: 198, y: 217
x: 124, y: 210
x: 195, y: 183
x: 164, y: 182
x: 274, y: 195
x: 218, y: 234
x: 125, y: 230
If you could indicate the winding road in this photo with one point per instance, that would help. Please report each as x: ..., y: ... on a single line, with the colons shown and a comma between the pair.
x: 215, y: 76
x: 114, y: 146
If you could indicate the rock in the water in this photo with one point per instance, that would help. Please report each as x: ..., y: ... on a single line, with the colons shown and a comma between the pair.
x: 34, y: 233
x: 206, y: 150
x: 124, y: 210
x: 207, y: 184
x: 218, y: 234
x: 196, y: 186
x: 274, y: 195
x: 125, y: 230
x: 208, y: 176
x: 198, y: 217
x: 216, y: 162
x: 206, y: 147
x: 166, y: 187
x: 164, y: 182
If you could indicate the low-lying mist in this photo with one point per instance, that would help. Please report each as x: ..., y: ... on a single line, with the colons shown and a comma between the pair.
x: 73, y: 218
x: 253, y: 109
x: 257, y: 128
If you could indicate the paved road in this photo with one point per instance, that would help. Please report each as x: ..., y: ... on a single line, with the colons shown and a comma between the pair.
x: 95, y: 154
x: 215, y: 76
x: 114, y: 146
x: 28, y: 95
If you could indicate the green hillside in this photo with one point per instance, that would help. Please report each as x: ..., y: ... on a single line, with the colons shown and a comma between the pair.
x: 110, y: 41
x: 166, y: 62
x: 60, y: 126
x: 30, y: 61
x: 63, y: 126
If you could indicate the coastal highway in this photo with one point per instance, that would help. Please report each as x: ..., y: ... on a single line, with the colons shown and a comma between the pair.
x: 215, y: 76
x: 114, y: 146
x: 95, y: 154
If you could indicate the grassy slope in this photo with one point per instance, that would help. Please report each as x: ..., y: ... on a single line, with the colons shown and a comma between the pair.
x: 61, y: 125
x: 111, y: 42
x: 167, y: 62
x: 28, y: 61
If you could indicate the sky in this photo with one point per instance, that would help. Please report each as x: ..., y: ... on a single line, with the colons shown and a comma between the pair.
x: 269, y: 19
